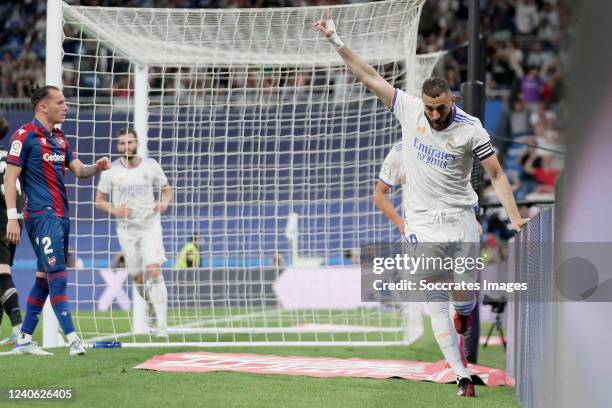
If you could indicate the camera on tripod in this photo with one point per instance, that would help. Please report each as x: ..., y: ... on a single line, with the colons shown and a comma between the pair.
x: 498, y: 305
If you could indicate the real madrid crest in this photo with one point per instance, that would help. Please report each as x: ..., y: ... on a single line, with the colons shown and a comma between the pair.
x: 450, y: 143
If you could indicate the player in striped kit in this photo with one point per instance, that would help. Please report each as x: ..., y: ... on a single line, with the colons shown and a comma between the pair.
x: 38, y: 156
x: 439, y: 141
x: 131, y: 184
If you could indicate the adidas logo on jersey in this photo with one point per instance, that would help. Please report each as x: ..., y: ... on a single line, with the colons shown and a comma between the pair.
x: 55, y: 158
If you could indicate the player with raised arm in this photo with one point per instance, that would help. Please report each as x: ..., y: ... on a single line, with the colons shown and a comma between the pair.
x: 131, y: 184
x: 439, y: 141
x: 9, y: 300
x: 38, y: 156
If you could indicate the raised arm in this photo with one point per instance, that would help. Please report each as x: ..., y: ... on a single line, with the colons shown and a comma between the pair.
x: 361, y: 69
x: 84, y: 171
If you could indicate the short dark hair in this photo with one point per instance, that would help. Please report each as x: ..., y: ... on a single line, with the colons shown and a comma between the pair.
x: 4, y: 126
x: 39, y: 93
x: 434, y: 87
x: 127, y: 131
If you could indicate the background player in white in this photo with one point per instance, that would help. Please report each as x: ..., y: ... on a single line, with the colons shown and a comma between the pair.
x: 438, y: 144
x: 132, y: 183
x: 392, y: 173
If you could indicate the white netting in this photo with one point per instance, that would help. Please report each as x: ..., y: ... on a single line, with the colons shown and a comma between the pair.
x: 253, y: 117
x: 423, y: 68
x: 381, y: 31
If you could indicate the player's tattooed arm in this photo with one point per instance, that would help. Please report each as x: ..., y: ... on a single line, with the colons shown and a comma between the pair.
x: 88, y: 171
x: 84, y: 171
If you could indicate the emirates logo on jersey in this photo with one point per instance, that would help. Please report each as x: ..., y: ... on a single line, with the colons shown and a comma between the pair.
x: 54, y: 158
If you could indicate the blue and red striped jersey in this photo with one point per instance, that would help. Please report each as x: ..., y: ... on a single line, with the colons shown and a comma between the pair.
x: 43, y: 157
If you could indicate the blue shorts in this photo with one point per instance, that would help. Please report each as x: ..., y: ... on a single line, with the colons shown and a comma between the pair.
x: 49, y: 237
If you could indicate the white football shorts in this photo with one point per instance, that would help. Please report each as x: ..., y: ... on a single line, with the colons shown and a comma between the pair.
x: 145, y: 247
x: 443, y: 234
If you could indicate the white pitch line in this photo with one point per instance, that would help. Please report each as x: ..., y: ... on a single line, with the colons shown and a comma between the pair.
x: 313, y: 328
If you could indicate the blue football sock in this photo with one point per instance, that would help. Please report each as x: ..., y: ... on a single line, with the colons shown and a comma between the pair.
x: 58, y: 290
x: 35, y: 303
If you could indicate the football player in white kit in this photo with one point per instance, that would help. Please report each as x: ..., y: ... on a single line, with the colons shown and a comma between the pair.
x: 131, y: 183
x: 439, y: 141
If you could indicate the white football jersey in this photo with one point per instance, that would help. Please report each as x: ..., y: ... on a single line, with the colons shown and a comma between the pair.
x: 439, y: 163
x: 393, y: 172
x: 134, y: 187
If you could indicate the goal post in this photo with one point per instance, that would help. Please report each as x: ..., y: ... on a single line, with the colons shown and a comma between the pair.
x: 257, y: 123
x: 53, y: 76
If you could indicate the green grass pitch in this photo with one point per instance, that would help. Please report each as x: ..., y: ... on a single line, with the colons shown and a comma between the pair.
x: 106, y: 378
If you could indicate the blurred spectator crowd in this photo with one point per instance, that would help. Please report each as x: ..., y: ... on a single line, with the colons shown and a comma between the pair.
x: 22, y: 33
x: 528, y: 42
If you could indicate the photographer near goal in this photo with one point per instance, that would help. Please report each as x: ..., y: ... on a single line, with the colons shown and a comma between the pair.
x: 439, y: 142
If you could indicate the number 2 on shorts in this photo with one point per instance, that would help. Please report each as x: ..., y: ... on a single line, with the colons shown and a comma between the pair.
x: 46, y: 241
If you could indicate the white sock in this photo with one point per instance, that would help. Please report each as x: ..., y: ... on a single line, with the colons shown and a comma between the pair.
x: 140, y: 288
x: 17, y: 329
x: 24, y: 338
x: 446, y: 336
x: 159, y: 298
x: 72, y: 337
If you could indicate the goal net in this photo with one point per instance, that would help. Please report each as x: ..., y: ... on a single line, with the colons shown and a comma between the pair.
x: 273, y: 151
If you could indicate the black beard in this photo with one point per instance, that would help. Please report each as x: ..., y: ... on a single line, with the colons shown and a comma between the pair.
x: 445, y: 124
x: 130, y: 156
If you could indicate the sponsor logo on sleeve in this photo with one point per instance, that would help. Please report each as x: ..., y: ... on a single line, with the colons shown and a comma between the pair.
x: 386, y: 169
x: 16, y: 147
